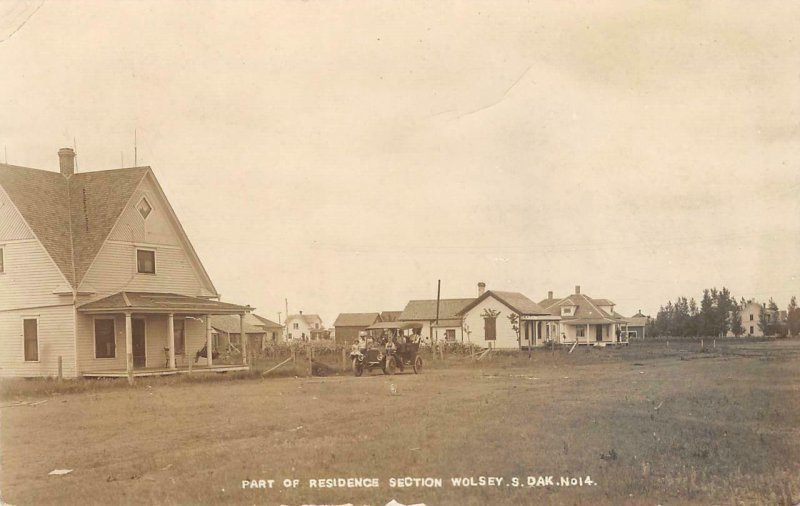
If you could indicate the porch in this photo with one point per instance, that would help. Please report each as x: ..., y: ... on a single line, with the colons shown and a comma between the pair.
x: 166, y: 371
x: 162, y: 334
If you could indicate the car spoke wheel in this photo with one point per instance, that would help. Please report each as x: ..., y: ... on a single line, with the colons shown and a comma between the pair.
x: 358, y: 367
x: 418, y: 365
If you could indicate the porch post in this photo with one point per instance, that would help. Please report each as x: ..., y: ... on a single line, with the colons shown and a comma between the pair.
x: 171, y: 339
x: 587, y: 334
x: 535, y: 340
x: 209, y: 343
x: 244, y: 339
x: 129, y: 347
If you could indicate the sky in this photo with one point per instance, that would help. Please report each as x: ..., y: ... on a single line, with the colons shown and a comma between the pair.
x: 347, y: 155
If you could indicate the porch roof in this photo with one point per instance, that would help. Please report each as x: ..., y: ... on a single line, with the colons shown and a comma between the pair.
x: 163, y: 303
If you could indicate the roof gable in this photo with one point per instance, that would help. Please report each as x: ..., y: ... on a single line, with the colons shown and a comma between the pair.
x: 585, y: 309
x: 515, y: 301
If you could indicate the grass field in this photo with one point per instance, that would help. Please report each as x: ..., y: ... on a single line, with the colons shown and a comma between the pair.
x: 648, y: 424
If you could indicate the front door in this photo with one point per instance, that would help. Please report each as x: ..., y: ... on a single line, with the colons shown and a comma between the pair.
x: 599, y: 332
x: 139, y: 340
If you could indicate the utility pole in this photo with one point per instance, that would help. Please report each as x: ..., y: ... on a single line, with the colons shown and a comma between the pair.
x: 286, y: 301
x: 438, y: 297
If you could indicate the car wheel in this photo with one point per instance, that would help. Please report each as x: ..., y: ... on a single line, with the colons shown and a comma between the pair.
x: 358, y: 367
x: 418, y: 365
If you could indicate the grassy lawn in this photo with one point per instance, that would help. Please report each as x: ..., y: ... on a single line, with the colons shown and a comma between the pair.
x: 648, y: 424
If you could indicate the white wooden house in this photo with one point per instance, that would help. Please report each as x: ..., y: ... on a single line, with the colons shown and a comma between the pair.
x: 507, y: 320
x: 305, y: 327
x: 586, y: 320
x: 98, y: 275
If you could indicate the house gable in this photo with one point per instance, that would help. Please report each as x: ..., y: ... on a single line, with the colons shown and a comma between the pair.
x: 177, y: 268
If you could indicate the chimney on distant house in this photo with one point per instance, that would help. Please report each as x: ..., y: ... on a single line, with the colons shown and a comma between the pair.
x: 301, y: 312
x: 577, y: 289
x: 550, y: 294
x: 66, y: 161
x: 481, y: 288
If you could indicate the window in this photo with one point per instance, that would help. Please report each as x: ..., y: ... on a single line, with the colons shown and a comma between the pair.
x: 490, y: 328
x: 580, y: 332
x: 179, y: 329
x: 316, y: 325
x: 566, y: 311
x: 296, y: 326
x: 145, y: 261
x: 450, y: 334
x: 1, y: 260
x: 104, y: 343
x: 751, y: 329
x: 30, y: 330
x: 144, y: 208
x: 751, y: 317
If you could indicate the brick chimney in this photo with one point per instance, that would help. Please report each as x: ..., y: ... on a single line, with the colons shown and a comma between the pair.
x: 66, y: 161
x: 577, y: 289
x: 301, y: 311
x: 550, y: 294
x: 481, y: 288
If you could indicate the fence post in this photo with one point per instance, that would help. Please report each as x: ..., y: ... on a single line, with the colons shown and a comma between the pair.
x: 294, y: 356
x: 344, y: 359
x: 310, y: 360
x: 60, y: 369
x: 701, y: 345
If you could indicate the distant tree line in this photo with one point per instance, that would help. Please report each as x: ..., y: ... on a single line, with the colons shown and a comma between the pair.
x: 718, y: 314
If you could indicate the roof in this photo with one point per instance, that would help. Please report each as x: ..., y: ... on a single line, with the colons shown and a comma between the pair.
x: 587, y: 311
x: 603, y: 302
x: 356, y: 319
x: 395, y: 325
x: 515, y: 300
x: 72, y: 216
x: 264, y: 322
x: 425, y: 310
x: 231, y: 325
x: 448, y: 323
x: 390, y: 316
x: 308, y: 318
x: 148, y: 302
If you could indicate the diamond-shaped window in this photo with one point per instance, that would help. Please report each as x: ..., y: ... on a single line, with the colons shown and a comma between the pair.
x: 144, y: 208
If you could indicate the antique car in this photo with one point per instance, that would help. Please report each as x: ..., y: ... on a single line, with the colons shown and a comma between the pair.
x: 395, y: 348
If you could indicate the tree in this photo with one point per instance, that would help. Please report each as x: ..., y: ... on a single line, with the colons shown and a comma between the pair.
x: 763, y: 321
x: 725, y: 305
x: 707, y: 313
x: 793, y: 317
x: 736, y: 320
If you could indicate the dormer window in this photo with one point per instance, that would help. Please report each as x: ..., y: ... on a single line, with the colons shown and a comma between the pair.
x: 145, y: 261
x: 144, y: 208
x: 566, y: 311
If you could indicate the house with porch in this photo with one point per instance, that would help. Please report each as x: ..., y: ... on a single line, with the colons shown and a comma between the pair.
x: 508, y: 320
x: 99, y: 277
x: 586, y: 320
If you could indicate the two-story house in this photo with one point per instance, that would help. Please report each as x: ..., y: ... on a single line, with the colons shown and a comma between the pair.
x: 98, y: 275
x: 305, y: 327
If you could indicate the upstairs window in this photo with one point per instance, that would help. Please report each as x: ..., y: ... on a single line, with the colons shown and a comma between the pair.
x: 1, y: 260
x: 145, y: 261
x: 296, y: 326
x: 566, y: 311
x: 30, y: 330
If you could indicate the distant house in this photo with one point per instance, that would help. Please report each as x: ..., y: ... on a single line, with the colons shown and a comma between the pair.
x: 637, y: 325
x: 586, y: 320
x: 508, y: 320
x: 227, y: 333
x: 98, y: 274
x: 449, y: 326
x: 273, y: 332
x: 305, y: 327
x: 348, y: 325
x: 751, y: 312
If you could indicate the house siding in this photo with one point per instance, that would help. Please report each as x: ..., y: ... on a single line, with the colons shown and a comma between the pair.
x: 55, y: 331
x: 506, y: 336
x: 26, y: 290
